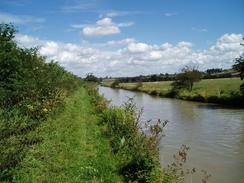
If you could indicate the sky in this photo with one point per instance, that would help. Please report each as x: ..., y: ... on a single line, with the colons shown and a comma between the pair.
x: 129, y: 37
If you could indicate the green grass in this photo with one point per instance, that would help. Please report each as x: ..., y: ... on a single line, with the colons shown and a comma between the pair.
x: 74, y: 148
x: 210, y: 86
x: 215, y: 86
x: 209, y: 90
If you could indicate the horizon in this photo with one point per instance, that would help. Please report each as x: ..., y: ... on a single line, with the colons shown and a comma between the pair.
x: 114, y: 39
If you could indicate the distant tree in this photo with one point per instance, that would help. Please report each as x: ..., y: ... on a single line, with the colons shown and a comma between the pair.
x: 187, y: 78
x: 239, y: 66
x: 91, y: 77
x: 115, y: 83
x: 213, y: 71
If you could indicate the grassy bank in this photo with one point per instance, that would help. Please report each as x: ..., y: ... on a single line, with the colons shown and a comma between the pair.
x: 56, y: 128
x: 73, y: 149
x: 88, y: 142
x: 223, y: 91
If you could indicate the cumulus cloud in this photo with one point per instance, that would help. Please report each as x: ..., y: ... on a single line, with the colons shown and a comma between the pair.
x: 130, y: 57
x: 104, y: 27
x: 121, y: 42
x: 19, y: 19
x: 138, y: 47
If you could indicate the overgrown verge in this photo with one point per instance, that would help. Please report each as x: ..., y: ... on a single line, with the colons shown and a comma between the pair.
x: 73, y: 149
x: 30, y: 90
x: 136, y: 152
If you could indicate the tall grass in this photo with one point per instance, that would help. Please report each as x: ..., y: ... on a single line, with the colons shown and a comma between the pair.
x: 136, y: 152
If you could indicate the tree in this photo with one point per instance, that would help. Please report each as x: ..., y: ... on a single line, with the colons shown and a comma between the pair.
x: 115, y: 83
x: 91, y: 77
x: 187, y: 78
x: 213, y: 71
x: 239, y: 66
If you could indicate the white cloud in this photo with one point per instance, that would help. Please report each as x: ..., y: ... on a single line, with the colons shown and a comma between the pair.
x: 19, y: 19
x: 105, y: 22
x: 130, y: 57
x: 138, y: 47
x: 121, y: 42
x: 27, y: 41
x: 49, y: 48
x: 104, y: 27
x: 155, y: 55
x: 101, y: 31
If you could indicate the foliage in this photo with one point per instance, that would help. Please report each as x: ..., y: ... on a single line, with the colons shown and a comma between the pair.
x: 137, y: 152
x: 30, y: 89
x: 239, y: 66
x: 91, y: 77
x: 146, y: 78
x: 222, y: 91
x: 115, y: 83
x: 74, y: 148
x: 187, y: 78
x: 214, y: 71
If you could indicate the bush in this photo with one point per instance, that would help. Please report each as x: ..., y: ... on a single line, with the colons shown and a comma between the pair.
x: 115, y: 83
x: 154, y: 92
x: 30, y: 89
x: 137, y: 153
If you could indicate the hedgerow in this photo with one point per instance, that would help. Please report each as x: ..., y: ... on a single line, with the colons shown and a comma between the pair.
x: 30, y: 89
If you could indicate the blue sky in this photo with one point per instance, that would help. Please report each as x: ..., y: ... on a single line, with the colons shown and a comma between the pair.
x: 152, y: 29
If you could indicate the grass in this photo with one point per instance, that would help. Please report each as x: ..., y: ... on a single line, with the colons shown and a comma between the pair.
x: 74, y: 148
x: 226, y: 90
x: 216, y: 86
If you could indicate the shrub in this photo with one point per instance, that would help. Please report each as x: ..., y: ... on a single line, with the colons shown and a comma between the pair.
x: 30, y: 88
x: 136, y: 151
x: 115, y: 83
x: 154, y: 92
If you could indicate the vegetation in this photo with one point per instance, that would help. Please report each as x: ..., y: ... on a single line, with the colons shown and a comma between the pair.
x: 74, y: 149
x: 52, y: 129
x: 239, y: 66
x: 115, y: 83
x: 214, y: 71
x: 30, y: 90
x: 223, y: 91
x: 136, y: 148
x: 186, y: 78
x: 136, y: 151
x: 92, y: 78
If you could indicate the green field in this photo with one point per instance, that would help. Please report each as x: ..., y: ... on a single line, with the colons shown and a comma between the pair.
x: 209, y: 90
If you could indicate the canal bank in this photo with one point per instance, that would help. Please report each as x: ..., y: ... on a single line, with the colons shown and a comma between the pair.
x: 215, y: 134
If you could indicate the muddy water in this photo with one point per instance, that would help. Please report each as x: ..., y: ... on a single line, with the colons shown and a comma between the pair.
x: 215, y: 134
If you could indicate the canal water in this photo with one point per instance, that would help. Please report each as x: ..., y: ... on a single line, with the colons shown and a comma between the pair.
x: 214, y: 134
